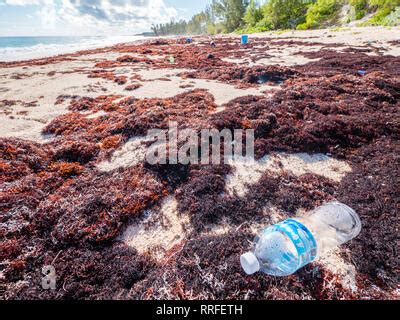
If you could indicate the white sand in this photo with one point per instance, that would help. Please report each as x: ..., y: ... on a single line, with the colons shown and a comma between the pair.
x: 96, y: 115
x: 283, y: 55
x: 223, y: 93
x: 354, y: 37
x: 44, y: 89
x: 346, y: 272
x: 247, y: 172
x: 132, y: 153
x: 159, y: 231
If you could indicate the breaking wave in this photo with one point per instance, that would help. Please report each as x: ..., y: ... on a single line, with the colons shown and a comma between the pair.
x: 25, y: 48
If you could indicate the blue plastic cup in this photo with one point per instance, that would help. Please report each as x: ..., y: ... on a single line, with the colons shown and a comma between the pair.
x: 245, y: 39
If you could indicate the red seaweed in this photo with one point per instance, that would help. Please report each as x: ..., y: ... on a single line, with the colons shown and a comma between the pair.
x: 57, y: 208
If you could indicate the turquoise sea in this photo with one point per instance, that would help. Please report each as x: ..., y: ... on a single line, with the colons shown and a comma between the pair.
x: 23, y: 48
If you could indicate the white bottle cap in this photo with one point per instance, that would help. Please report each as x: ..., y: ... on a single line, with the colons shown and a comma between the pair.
x: 249, y: 263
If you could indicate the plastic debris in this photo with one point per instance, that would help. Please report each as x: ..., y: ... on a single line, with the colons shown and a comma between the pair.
x: 282, y: 249
x: 210, y: 56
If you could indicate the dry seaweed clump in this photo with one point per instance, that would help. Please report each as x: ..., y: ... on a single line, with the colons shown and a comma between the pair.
x: 321, y: 114
x: 133, y: 87
x: 372, y: 190
x: 104, y: 273
x: 19, y: 158
x: 109, y: 76
x: 132, y: 117
x: 67, y: 209
x: 331, y: 63
x: 243, y: 76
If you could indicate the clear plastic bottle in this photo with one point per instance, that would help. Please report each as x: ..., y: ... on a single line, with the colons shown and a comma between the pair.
x: 282, y: 249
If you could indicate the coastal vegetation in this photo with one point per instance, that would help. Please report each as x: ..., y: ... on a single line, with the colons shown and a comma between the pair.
x: 225, y: 16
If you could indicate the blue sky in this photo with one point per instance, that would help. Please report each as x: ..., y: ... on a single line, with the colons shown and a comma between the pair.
x: 90, y: 17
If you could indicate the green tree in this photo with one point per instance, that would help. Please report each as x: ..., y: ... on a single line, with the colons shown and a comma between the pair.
x: 321, y: 12
x: 285, y: 14
x: 383, y: 9
x: 253, y: 14
x: 230, y: 13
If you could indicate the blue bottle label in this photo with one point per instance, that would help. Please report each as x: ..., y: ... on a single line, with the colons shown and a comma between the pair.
x: 302, y: 239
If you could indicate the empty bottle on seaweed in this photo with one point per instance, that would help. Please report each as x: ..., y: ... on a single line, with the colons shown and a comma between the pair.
x: 282, y: 249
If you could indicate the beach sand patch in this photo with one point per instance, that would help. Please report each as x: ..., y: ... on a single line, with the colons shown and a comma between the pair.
x: 222, y: 92
x: 346, y: 272
x: 159, y: 231
x: 28, y: 123
x: 247, y: 172
x: 131, y: 154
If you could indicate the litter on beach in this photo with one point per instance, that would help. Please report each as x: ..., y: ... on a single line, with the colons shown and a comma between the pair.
x: 284, y: 248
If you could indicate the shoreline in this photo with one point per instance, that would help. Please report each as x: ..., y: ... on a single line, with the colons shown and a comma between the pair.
x: 42, y: 50
x: 271, y: 34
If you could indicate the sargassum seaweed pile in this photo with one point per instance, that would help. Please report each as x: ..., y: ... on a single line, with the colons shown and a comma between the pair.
x: 57, y: 208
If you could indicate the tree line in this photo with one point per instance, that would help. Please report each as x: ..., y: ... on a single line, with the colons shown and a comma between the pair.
x: 225, y: 16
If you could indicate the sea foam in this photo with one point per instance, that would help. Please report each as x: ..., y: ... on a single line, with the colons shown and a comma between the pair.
x: 17, y: 51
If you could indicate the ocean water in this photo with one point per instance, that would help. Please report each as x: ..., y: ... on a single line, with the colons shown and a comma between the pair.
x: 25, y: 48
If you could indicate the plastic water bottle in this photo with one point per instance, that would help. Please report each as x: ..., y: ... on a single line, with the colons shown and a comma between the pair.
x: 284, y: 248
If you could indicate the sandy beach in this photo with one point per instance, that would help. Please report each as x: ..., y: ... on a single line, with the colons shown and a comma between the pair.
x: 76, y: 191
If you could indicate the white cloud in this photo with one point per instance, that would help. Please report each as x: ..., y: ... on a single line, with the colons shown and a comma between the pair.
x: 48, y: 14
x: 119, y: 11
x: 22, y: 2
x: 100, y: 16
